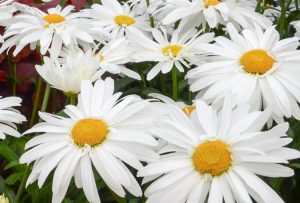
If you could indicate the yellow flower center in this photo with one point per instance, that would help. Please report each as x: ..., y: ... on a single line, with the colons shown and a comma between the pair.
x: 89, y: 131
x: 257, y: 61
x: 174, y: 49
x: 101, y: 57
x: 209, y: 3
x: 212, y: 157
x: 124, y: 20
x: 53, y: 18
x: 188, y: 110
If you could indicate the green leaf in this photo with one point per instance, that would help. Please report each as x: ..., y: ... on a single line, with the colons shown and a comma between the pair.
x: 12, y: 179
x: 182, y: 84
x: 294, y: 15
x: 146, y: 91
x: 123, y: 82
x: 12, y: 164
x: 295, y: 165
x: 62, y: 3
x: 7, y: 153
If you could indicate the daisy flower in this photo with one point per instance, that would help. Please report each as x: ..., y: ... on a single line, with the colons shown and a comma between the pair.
x: 256, y: 68
x: 217, y: 156
x: 66, y: 74
x: 101, y: 132
x: 50, y: 31
x: 212, y: 12
x: 181, y: 48
x: 113, y: 55
x: 9, y: 116
x: 116, y: 18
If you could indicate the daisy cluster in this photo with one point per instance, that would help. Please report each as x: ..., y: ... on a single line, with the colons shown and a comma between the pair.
x: 231, y: 66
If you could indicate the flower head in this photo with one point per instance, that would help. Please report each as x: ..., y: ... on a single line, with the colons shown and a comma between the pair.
x: 182, y: 47
x: 256, y: 68
x: 102, y: 131
x: 67, y: 73
x: 217, y: 156
x: 50, y: 31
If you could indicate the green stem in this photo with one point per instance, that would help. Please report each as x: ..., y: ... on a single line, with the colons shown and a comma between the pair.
x: 46, y: 98
x: 73, y: 99
x: 175, y: 85
x: 14, y: 69
x: 143, y: 79
x: 36, y: 101
x: 150, y: 16
x: 190, y: 96
x: 297, y: 5
x: 258, y: 6
x: 281, y: 22
x: 23, y: 183
x: 163, y: 83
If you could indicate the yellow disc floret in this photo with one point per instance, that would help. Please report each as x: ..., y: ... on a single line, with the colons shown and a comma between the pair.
x: 212, y: 157
x: 257, y: 61
x: 89, y: 131
x: 174, y: 49
x: 53, y: 18
x: 124, y: 20
x: 188, y: 110
x: 209, y: 3
x: 101, y: 57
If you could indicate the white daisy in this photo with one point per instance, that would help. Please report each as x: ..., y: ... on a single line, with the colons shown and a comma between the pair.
x: 101, y: 132
x: 255, y: 67
x: 181, y: 48
x: 66, y: 74
x: 114, y: 55
x: 116, y: 18
x: 219, y: 156
x: 212, y: 12
x: 50, y: 31
x: 9, y: 116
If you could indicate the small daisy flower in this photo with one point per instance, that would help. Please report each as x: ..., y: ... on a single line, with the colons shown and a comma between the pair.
x: 116, y: 18
x: 217, y: 156
x: 212, y: 12
x: 9, y: 116
x: 101, y: 132
x: 66, y: 74
x: 50, y: 31
x: 256, y: 68
x: 113, y: 55
x: 168, y: 51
